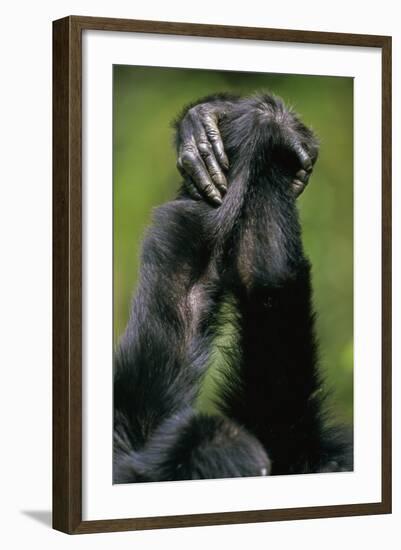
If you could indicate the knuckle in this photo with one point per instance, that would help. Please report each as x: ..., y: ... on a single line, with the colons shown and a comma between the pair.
x: 219, y: 179
x: 211, y: 127
x: 210, y: 118
x: 187, y: 158
x: 205, y: 148
x: 192, y: 189
x: 302, y: 175
x: 203, y: 111
x: 193, y: 112
x: 303, y: 157
x: 214, y: 136
x: 208, y: 188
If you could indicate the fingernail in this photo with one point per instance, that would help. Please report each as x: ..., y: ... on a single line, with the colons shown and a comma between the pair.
x: 217, y: 200
x: 221, y: 183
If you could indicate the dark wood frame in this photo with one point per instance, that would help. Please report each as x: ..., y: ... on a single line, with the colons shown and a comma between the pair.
x: 67, y: 274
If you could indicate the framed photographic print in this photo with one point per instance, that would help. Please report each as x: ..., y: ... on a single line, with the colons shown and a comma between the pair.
x: 221, y: 272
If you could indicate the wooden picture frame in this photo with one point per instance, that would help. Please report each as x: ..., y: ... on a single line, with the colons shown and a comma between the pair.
x: 67, y: 273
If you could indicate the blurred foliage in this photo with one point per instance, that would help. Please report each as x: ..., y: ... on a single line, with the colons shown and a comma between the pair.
x: 147, y: 99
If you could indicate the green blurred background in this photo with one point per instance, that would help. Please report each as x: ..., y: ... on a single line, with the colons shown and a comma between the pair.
x: 146, y: 100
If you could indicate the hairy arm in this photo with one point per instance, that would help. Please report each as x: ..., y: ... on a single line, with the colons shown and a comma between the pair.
x: 201, y: 156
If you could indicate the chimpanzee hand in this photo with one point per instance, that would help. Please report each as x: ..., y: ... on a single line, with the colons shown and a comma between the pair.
x: 201, y: 156
x: 304, y: 149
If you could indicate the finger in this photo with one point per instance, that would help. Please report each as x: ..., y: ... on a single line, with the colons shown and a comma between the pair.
x: 300, y: 182
x: 213, y: 167
x: 303, y: 176
x: 189, y: 186
x: 213, y: 134
x: 206, y: 175
x: 303, y: 157
x: 192, y: 191
x: 194, y: 166
x: 181, y: 170
x: 206, y: 151
x: 313, y: 151
x: 298, y: 188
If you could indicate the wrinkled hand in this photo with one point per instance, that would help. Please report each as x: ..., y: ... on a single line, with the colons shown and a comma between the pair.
x: 201, y: 156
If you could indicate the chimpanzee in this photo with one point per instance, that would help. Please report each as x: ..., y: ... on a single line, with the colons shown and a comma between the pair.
x: 231, y: 235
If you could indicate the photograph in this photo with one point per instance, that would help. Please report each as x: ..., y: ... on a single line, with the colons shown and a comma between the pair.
x: 198, y: 228
x: 222, y: 268
x: 233, y: 320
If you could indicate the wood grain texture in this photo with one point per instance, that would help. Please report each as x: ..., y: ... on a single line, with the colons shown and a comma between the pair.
x: 67, y: 277
x: 67, y: 274
x: 224, y: 31
x: 386, y: 275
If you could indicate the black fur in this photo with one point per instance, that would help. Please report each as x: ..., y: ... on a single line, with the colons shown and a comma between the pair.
x: 195, y: 258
